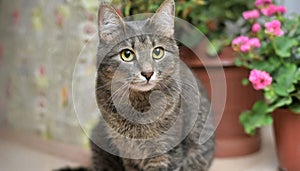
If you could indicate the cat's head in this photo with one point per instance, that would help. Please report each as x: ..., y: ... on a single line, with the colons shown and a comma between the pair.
x: 141, y: 54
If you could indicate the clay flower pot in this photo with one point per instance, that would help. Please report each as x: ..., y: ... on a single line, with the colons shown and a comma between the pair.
x: 230, y: 137
x: 287, y: 137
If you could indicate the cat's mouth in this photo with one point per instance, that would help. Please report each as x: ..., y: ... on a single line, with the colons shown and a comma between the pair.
x: 143, y: 86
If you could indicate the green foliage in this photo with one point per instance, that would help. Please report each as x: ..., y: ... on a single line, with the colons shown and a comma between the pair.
x: 256, y: 117
x: 283, y: 46
x: 295, y: 108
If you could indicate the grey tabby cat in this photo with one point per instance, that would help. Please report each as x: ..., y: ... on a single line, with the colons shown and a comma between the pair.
x: 143, y: 93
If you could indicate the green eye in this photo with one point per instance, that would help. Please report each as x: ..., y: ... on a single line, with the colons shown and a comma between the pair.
x: 158, y: 53
x: 127, y: 55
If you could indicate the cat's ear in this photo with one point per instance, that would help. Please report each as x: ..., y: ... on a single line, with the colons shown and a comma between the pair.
x: 110, y: 24
x: 163, y: 19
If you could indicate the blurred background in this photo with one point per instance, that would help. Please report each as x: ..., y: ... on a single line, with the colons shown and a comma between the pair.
x: 40, y: 42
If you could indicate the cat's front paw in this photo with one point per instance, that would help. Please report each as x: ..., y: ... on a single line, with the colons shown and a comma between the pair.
x: 160, y: 163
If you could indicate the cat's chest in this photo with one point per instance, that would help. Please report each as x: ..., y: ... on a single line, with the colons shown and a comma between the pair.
x: 148, y: 140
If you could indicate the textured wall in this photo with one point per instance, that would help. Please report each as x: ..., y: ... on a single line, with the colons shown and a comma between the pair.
x: 40, y: 41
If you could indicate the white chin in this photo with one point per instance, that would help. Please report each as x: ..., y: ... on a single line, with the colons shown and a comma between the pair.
x: 143, y: 87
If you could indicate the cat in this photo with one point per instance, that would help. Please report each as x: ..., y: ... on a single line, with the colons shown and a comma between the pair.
x: 144, y: 94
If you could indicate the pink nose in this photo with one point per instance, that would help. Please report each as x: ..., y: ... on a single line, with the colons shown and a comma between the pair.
x: 147, y: 75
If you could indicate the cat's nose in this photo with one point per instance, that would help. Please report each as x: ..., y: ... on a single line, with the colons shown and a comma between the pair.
x: 147, y: 75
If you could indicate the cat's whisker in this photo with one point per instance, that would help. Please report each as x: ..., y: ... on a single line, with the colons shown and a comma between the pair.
x: 121, y: 89
x: 178, y: 91
x: 184, y: 87
x: 99, y: 87
x: 123, y: 93
x: 116, y: 92
x: 110, y: 83
x: 183, y: 83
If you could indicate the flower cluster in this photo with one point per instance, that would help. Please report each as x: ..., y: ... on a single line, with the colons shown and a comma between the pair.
x: 253, y: 14
x: 272, y: 28
x: 272, y: 10
x: 270, y: 49
x: 245, y: 44
x: 264, y: 7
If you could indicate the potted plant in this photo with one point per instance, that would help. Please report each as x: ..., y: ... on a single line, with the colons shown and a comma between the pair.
x: 271, y: 50
x: 220, y: 22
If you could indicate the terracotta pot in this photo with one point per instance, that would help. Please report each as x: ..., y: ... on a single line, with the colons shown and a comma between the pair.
x: 230, y: 137
x: 287, y: 137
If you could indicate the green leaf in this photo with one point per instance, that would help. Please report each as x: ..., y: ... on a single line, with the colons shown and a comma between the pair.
x: 280, y: 103
x: 285, y: 76
x: 245, y: 81
x: 127, y: 9
x: 265, y: 48
x: 238, y: 62
x: 260, y: 107
x: 245, y: 118
x: 269, y: 65
x: 283, y: 45
x: 280, y: 89
x: 297, y: 76
x: 256, y: 118
x: 270, y: 95
x: 288, y: 68
x: 297, y: 95
x: 295, y: 108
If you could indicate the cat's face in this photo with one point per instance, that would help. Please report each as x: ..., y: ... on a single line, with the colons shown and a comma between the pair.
x: 139, y: 54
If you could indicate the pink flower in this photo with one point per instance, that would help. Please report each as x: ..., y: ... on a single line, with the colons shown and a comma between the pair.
x: 245, y: 48
x: 244, y: 44
x: 256, y: 27
x: 281, y: 9
x: 273, y: 28
x: 262, y: 2
x: 240, y: 40
x: 260, y: 79
x: 254, y: 42
x: 253, y: 14
x: 269, y: 10
x: 273, y: 9
x: 250, y: 44
x: 273, y: 24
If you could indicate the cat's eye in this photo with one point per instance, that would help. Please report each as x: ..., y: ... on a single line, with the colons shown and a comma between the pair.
x: 158, y: 53
x: 127, y: 55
